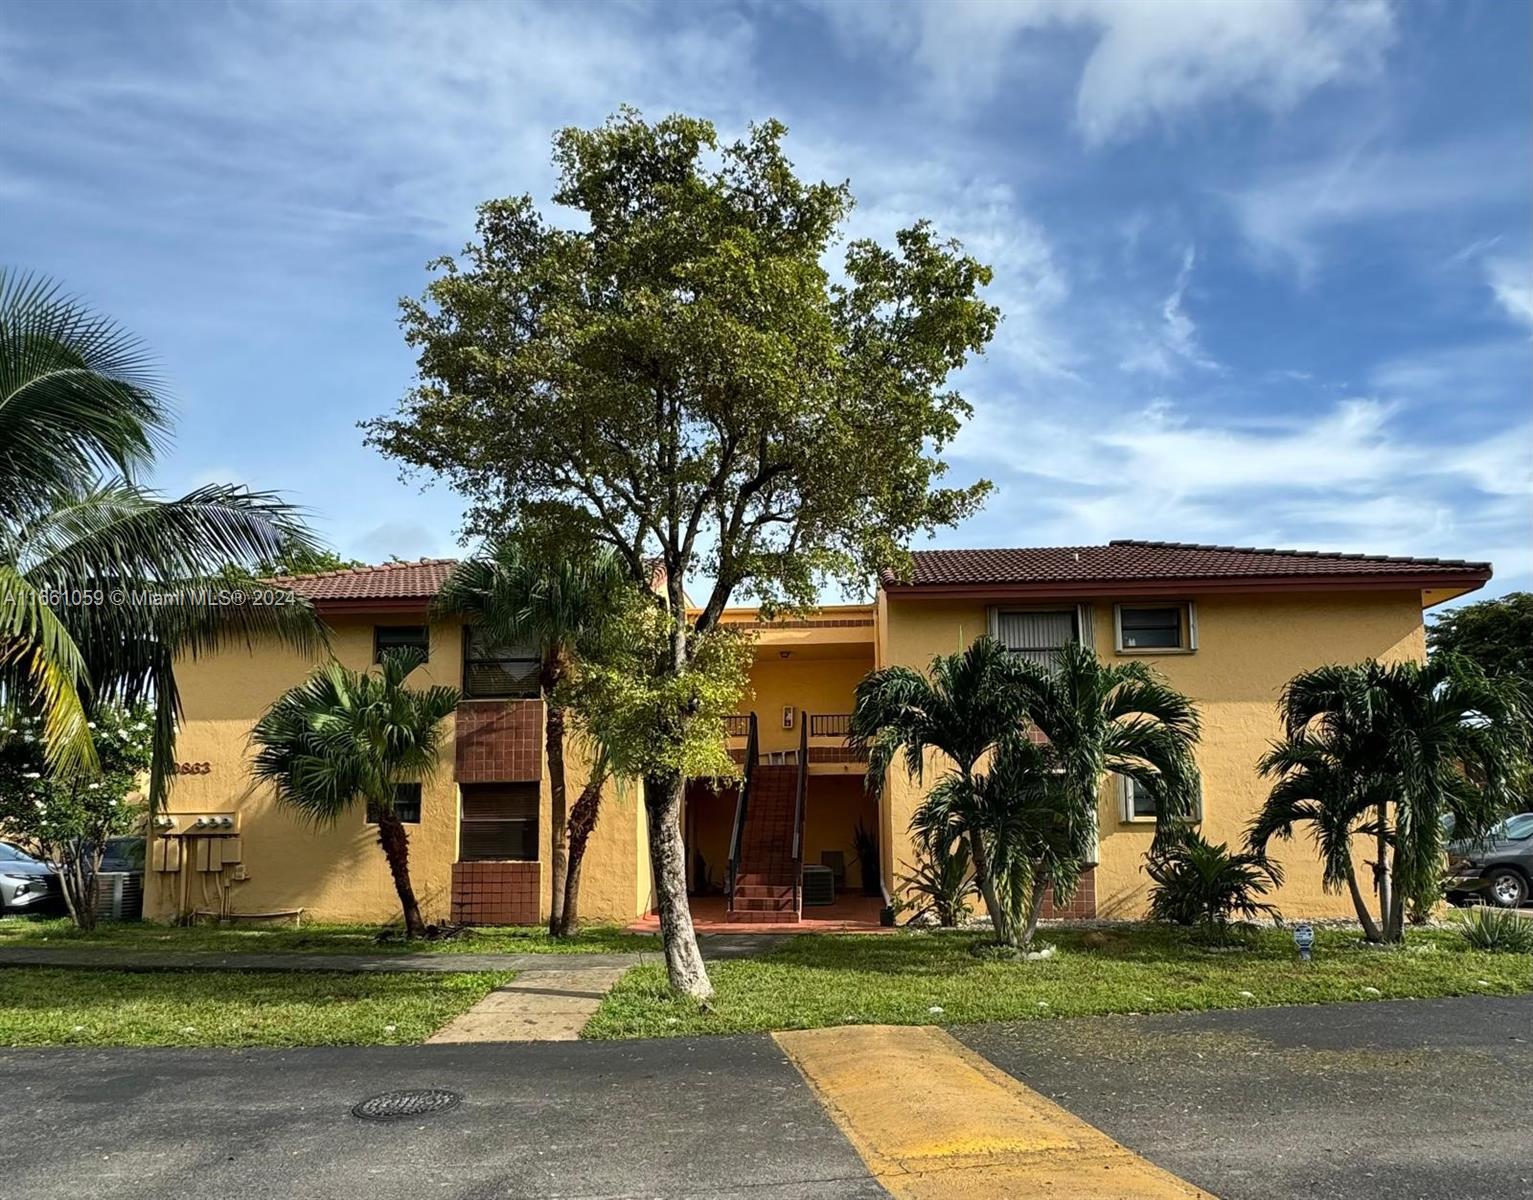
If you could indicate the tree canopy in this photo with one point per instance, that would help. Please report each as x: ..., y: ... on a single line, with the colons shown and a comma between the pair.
x: 673, y: 368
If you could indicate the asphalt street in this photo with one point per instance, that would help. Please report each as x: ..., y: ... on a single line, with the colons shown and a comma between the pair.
x: 1400, y: 1099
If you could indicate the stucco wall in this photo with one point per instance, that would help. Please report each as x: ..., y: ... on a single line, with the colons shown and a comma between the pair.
x: 338, y: 873
x: 1248, y: 647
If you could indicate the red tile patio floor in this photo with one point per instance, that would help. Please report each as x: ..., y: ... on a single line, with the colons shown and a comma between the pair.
x: 849, y: 914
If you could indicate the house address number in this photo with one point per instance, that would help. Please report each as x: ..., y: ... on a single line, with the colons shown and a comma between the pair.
x: 191, y: 768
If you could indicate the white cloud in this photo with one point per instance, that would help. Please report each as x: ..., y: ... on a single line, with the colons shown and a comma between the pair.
x: 1287, y: 214
x: 1357, y: 475
x: 1148, y: 63
x: 1511, y: 282
x: 1173, y: 343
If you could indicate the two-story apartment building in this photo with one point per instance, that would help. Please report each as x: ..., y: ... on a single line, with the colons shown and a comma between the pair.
x: 1227, y: 626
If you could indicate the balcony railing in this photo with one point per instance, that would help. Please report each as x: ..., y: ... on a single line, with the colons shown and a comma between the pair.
x: 836, y: 725
x: 738, y: 725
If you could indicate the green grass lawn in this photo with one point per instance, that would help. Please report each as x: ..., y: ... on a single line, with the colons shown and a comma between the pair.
x: 926, y: 978
x: 314, y: 939
x: 48, y: 1006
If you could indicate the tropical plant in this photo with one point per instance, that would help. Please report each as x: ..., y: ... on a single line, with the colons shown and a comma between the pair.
x: 959, y: 709
x: 345, y: 737
x: 1385, y: 752
x: 671, y: 368
x: 103, y: 584
x: 1501, y: 930
x: 66, y: 818
x: 1199, y: 883
x: 1092, y: 720
x: 1031, y: 817
x: 940, y: 884
x: 562, y: 603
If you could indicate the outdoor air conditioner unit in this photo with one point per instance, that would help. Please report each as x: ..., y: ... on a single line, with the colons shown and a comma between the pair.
x: 119, y: 896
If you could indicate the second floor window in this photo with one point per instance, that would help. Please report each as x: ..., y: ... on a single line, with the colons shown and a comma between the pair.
x: 491, y: 670
x: 1038, y: 636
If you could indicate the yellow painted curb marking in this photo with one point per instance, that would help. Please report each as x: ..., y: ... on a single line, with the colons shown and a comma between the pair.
x: 935, y: 1121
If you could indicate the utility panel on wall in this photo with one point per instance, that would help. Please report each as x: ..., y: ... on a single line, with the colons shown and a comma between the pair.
x: 787, y: 716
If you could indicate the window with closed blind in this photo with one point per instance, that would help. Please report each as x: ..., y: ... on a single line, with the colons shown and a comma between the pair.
x: 1036, y: 635
x: 491, y: 670
x: 1156, y: 628
x: 499, y: 823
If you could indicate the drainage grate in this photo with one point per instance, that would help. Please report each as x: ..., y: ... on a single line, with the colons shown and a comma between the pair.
x: 408, y: 1102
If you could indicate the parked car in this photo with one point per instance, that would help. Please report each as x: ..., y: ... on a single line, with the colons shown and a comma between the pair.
x: 27, y: 884
x: 1497, y: 869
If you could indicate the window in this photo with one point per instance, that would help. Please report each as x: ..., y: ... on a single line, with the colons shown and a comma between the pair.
x: 491, y: 670
x: 1138, y: 805
x: 500, y: 821
x: 1156, y: 628
x: 407, y: 804
x: 1037, y: 636
x: 399, y: 637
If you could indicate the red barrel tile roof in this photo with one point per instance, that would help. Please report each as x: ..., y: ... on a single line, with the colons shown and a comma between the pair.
x: 1129, y: 560
x: 390, y: 581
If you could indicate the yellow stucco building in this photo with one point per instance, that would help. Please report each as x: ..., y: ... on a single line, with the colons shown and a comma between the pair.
x: 1227, y: 626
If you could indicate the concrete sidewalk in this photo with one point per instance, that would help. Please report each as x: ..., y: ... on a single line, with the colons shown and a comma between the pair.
x: 542, y: 1004
x: 112, y: 958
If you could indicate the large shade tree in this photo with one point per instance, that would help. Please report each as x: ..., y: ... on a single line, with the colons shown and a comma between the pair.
x: 103, y: 583
x: 670, y: 367
x: 343, y: 738
x: 563, y: 603
x: 1381, y: 753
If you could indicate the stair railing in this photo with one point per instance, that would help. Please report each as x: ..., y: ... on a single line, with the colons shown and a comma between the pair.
x: 798, y: 814
x: 742, y: 798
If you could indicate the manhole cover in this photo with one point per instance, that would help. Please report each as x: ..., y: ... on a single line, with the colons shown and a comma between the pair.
x: 407, y: 1102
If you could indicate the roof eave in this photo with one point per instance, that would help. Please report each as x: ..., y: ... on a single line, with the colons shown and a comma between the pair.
x: 1461, y: 581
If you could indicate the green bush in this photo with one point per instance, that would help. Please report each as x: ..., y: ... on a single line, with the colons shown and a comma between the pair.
x: 1497, y: 929
x: 940, y: 885
x: 1198, y: 883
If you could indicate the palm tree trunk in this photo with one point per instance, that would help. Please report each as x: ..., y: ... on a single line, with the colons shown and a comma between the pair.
x: 667, y: 859
x: 986, y: 884
x: 396, y: 848
x: 558, y: 813
x: 582, y: 822
x: 1381, y: 873
x: 1034, y: 907
x: 1364, y: 917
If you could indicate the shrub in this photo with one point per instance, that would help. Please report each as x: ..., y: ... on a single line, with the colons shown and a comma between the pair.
x: 1499, y: 930
x: 940, y: 885
x: 1198, y: 883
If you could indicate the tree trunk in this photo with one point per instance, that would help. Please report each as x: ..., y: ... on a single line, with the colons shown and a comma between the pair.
x: 1034, y: 907
x: 986, y: 884
x: 683, y: 960
x: 582, y: 823
x: 1364, y: 917
x: 396, y: 848
x: 558, y: 815
x: 1381, y: 874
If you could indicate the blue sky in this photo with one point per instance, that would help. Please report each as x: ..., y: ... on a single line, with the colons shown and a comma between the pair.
x: 1265, y: 268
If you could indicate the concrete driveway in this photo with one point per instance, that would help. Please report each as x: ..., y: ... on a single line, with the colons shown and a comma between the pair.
x: 1399, y: 1099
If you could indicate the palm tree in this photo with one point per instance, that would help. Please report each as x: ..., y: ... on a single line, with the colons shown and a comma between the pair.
x: 1387, y: 752
x: 960, y: 709
x: 558, y: 600
x: 103, y: 584
x: 347, y: 736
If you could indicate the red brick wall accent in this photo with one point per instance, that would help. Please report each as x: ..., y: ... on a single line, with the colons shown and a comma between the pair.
x: 500, y: 741
x: 495, y: 893
x: 1083, y: 904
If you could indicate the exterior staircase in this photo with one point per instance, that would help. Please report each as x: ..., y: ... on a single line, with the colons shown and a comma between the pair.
x: 766, y: 884
x: 766, y: 856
